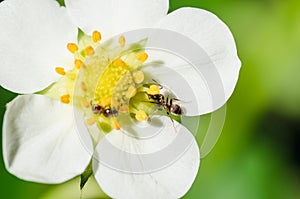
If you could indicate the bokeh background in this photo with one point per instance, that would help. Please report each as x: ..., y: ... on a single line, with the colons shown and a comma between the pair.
x: 258, y: 153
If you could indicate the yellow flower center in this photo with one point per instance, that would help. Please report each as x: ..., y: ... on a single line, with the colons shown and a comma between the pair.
x: 105, y: 82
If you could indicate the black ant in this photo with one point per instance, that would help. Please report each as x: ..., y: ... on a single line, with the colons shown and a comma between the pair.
x: 107, y: 112
x: 166, y: 103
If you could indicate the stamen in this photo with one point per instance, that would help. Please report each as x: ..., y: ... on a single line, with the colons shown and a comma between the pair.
x: 138, y: 76
x: 78, y: 63
x: 119, y: 62
x: 60, y: 70
x: 141, y: 115
x: 153, y: 90
x: 84, y: 103
x: 72, y: 47
x: 65, y: 99
x: 122, y: 41
x: 142, y: 57
x: 96, y: 36
x: 89, y: 51
x: 83, y: 86
x: 91, y: 121
x: 115, y: 124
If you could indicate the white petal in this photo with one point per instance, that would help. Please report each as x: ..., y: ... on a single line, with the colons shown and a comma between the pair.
x: 135, y: 14
x: 116, y: 16
x: 221, y: 65
x: 163, y: 165
x: 40, y: 140
x: 33, y: 39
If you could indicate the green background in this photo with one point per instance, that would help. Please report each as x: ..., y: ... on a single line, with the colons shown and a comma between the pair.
x: 257, y: 156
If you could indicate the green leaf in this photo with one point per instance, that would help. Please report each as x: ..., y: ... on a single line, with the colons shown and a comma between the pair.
x: 86, y: 175
x: 69, y: 190
x: 80, y: 34
x: 61, y: 2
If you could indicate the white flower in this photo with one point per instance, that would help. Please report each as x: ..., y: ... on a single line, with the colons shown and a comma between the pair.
x: 40, y: 138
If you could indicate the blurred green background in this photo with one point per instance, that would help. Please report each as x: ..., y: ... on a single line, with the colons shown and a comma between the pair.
x: 258, y: 153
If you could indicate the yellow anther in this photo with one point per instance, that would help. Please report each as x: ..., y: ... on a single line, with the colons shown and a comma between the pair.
x: 78, y: 63
x: 122, y: 41
x: 105, y: 101
x: 138, y: 76
x: 141, y: 115
x: 153, y: 90
x: 131, y: 92
x: 96, y: 36
x: 115, y: 124
x: 142, y: 56
x: 83, y: 86
x: 89, y: 51
x: 91, y: 121
x: 84, y: 103
x: 60, y: 70
x: 119, y: 62
x: 72, y: 47
x: 65, y: 99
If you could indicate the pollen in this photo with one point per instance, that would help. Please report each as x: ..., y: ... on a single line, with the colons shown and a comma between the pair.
x: 142, y: 56
x: 72, y: 47
x: 105, y: 101
x: 119, y: 62
x: 122, y: 41
x: 78, y: 63
x: 65, y: 99
x: 108, y: 81
x: 153, y: 90
x: 116, y: 124
x: 60, y: 70
x: 89, y: 51
x: 96, y: 36
x: 141, y: 115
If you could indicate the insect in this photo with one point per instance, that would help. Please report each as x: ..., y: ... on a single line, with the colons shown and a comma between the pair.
x: 166, y: 103
x: 107, y: 112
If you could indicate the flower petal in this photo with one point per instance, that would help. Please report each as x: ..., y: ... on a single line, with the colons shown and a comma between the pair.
x: 40, y: 141
x: 163, y: 165
x: 215, y: 38
x: 116, y: 16
x: 33, y: 42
